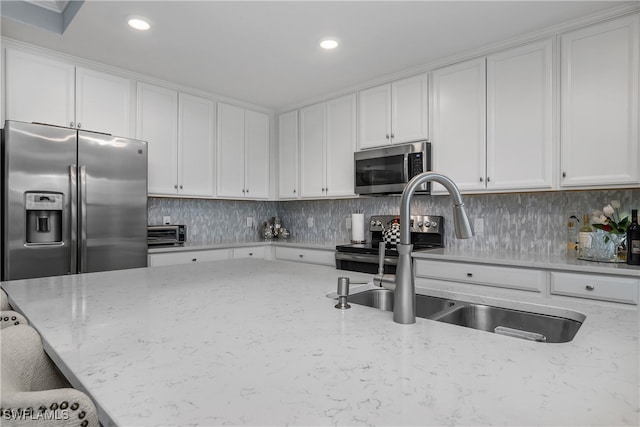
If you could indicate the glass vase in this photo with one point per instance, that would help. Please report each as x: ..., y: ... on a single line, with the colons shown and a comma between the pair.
x: 604, y: 246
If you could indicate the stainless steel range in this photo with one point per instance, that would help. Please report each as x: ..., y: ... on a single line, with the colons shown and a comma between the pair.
x: 427, y: 232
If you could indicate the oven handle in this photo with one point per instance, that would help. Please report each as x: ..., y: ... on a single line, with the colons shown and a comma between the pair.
x: 371, y: 259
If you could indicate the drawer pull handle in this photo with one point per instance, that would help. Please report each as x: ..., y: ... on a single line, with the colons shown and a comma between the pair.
x: 589, y: 287
x: 194, y: 259
x: 250, y: 253
x: 301, y: 256
x: 469, y: 274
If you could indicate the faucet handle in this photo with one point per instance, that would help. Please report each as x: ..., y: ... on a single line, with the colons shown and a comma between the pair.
x: 381, y: 249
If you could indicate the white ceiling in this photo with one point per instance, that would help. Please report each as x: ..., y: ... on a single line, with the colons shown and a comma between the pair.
x: 266, y: 52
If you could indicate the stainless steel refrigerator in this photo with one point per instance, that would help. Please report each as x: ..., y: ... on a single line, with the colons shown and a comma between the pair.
x: 72, y: 201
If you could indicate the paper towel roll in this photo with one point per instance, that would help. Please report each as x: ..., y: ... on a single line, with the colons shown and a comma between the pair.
x: 357, y: 228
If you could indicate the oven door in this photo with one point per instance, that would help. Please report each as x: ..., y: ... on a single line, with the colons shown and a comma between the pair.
x: 364, y: 263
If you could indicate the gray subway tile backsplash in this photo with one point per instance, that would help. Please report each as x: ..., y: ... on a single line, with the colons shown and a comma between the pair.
x: 515, y: 222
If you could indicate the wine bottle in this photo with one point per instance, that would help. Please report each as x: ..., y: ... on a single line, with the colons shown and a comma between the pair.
x: 585, y: 236
x: 633, y: 240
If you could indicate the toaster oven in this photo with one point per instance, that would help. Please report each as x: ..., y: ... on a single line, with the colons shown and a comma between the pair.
x: 169, y: 234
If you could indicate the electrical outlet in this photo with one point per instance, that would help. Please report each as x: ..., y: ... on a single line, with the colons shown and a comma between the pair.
x: 478, y: 226
x: 249, y: 221
x: 166, y: 220
x: 310, y: 222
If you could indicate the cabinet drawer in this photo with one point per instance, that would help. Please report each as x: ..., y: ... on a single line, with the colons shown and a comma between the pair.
x: 312, y: 256
x: 172, y: 258
x: 250, y: 252
x: 504, y: 277
x: 593, y: 286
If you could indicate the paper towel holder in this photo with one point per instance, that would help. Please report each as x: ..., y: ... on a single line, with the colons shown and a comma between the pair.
x: 357, y: 228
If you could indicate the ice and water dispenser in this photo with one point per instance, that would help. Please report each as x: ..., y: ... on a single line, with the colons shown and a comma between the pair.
x: 43, y: 217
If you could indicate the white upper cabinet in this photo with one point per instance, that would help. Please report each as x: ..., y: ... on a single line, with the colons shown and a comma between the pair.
x: 458, y: 127
x: 256, y: 173
x: 327, y: 144
x: 39, y: 89
x: 374, y: 117
x: 409, y: 109
x: 288, y: 155
x: 196, y: 149
x: 230, y: 153
x: 312, y: 149
x: 157, y: 123
x: 599, y: 104
x: 47, y: 90
x: 242, y: 153
x: 341, y: 144
x: 503, y: 142
x: 104, y: 103
x: 520, y: 145
x: 393, y: 113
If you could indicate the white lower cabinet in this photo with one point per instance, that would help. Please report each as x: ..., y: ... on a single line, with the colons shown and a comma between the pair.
x: 595, y: 286
x: 478, y: 274
x: 257, y: 252
x: 545, y: 284
x: 186, y: 257
x: 311, y: 256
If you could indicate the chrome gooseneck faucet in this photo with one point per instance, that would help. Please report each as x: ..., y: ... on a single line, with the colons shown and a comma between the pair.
x: 404, y: 307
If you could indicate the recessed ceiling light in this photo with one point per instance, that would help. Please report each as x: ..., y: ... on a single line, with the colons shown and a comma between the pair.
x: 139, y: 24
x: 329, y: 44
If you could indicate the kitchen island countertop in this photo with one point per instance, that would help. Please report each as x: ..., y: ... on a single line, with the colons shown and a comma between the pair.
x: 255, y: 342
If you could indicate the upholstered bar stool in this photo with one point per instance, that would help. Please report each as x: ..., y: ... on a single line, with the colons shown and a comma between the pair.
x: 11, y: 318
x: 33, y: 392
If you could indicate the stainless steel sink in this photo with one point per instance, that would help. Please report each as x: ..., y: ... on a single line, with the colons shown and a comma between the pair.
x: 382, y: 299
x: 514, y: 323
x: 519, y: 324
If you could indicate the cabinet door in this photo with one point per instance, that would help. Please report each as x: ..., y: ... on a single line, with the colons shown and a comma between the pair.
x: 230, y: 154
x: 288, y: 155
x: 157, y: 123
x: 374, y: 117
x: 104, y: 103
x: 39, y: 89
x: 519, y: 118
x: 195, y: 146
x: 409, y: 109
x: 257, y: 155
x: 312, y: 140
x: 458, y: 143
x: 341, y: 144
x: 599, y: 104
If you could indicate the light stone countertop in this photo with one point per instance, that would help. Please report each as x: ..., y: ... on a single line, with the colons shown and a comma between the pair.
x: 255, y: 342
x: 514, y: 259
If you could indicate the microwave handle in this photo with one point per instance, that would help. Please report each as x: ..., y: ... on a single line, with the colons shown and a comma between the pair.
x: 405, y: 169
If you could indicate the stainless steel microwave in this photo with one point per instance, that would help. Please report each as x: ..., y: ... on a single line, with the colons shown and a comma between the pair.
x: 169, y: 234
x: 388, y: 170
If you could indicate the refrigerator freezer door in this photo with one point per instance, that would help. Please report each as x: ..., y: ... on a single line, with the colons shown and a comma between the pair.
x: 112, y: 199
x: 38, y: 161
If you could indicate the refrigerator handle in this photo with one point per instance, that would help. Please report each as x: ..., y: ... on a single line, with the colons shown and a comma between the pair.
x: 82, y: 195
x: 73, y: 185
